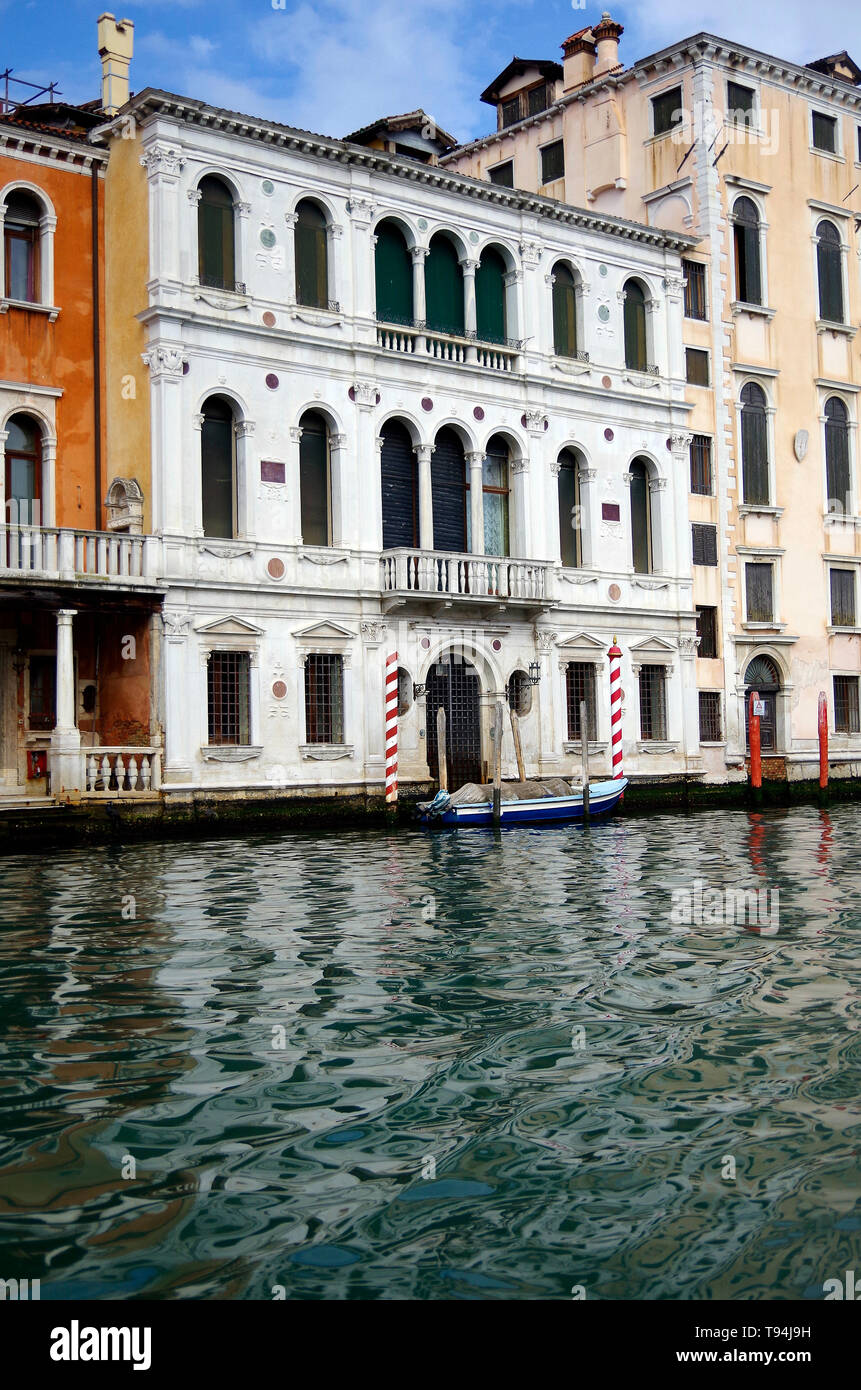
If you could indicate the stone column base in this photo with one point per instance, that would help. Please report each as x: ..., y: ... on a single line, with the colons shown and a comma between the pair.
x: 65, y: 761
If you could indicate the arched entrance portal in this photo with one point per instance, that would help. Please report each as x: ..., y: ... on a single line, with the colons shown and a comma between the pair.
x: 762, y: 675
x: 453, y: 683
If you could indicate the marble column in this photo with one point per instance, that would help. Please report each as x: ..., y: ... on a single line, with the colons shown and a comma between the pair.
x: 475, y: 463
x: 424, y: 453
x: 65, y: 739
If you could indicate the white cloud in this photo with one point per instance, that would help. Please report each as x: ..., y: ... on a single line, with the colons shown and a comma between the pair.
x: 791, y: 29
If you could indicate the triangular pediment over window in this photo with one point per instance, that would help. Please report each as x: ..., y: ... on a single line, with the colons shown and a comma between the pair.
x: 653, y: 646
x: 583, y: 642
x: 324, y: 632
x: 230, y: 627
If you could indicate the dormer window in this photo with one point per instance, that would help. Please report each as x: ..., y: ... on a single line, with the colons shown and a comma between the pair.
x: 537, y: 99
x: 510, y: 111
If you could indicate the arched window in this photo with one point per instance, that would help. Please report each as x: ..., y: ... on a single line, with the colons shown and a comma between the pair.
x: 443, y: 287
x: 636, y: 352
x: 399, y: 487
x: 315, y: 482
x: 494, y: 482
x: 746, y: 241
x: 21, y: 247
x: 641, y: 518
x: 754, y: 446
x: 217, y: 467
x: 449, y: 492
x: 570, y: 547
x: 762, y: 675
x: 23, y: 472
x: 215, y: 240
x: 837, y: 456
x: 564, y: 312
x: 490, y: 297
x: 829, y: 266
x: 393, y: 272
x: 312, y: 256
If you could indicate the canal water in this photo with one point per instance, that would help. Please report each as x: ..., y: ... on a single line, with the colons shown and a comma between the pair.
x: 541, y: 1064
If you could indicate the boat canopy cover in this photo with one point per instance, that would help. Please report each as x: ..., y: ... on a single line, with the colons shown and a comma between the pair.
x: 472, y: 794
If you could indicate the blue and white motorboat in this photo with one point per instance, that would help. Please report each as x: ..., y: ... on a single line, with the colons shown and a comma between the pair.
x: 455, y: 809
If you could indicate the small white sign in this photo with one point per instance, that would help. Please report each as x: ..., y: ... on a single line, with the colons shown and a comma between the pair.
x: 759, y: 707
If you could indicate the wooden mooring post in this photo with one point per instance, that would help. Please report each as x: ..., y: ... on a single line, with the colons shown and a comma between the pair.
x: 518, y: 750
x: 497, y: 765
x: 441, y: 750
x: 584, y: 750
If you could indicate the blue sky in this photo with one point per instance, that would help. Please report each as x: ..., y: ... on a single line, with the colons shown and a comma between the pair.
x: 334, y: 65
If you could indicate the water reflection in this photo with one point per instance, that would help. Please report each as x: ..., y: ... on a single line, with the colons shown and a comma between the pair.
x: 434, y: 1066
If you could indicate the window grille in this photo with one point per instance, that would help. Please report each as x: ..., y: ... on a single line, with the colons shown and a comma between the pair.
x: 701, y: 465
x: 695, y: 289
x: 580, y: 685
x: 707, y: 631
x: 653, y: 704
x: 710, y: 721
x: 324, y: 698
x: 846, y: 711
x: 843, y: 598
x: 228, y: 697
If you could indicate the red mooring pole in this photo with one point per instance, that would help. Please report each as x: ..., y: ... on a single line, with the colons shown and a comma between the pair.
x: 823, y: 740
x: 755, y: 744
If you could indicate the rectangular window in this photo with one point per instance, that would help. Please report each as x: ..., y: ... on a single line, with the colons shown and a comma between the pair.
x: 704, y: 544
x: 759, y: 587
x: 697, y: 366
x: 503, y: 174
x: 710, y: 723
x: 701, y: 465
x: 324, y: 698
x: 667, y: 110
x: 740, y: 104
x: 843, y: 598
x: 227, y: 693
x: 43, y: 675
x: 511, y: 111
x: 537, y: 99
x: 846, y: 714
x: 824, y: 132
x: 707, y: 631
x: 552, y: 162
x: 653, y: 704
x: 695, y: 289
x: 580, y: 685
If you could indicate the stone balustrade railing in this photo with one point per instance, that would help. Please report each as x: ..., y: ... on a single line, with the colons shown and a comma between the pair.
x: 120, y: 771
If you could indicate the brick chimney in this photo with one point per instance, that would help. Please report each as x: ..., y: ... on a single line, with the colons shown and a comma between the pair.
x: 607, y: 35
x: 116, y: 41
x: 579, y: 59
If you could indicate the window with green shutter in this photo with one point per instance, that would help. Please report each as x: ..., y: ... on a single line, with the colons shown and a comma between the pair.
x: 824, y: 132
x: 746, y: 240
x: 314, y: 481
x: 837, y: 456
x: 490, y: 297
x: 641, y: 537
x: 217, y: 468
x: 829, y: 265
x: 842, y: 598
x: 754, y: 446
x: 759, y: 588
x: 636, y: 353
x: 552, y: 162
x: 502, y: 174
x: 393, y: 273
x: 564, y: 312
x: 667, y: 110
x: 569, y: 509
x: 311, y: 255
x: 215, y: 241
x: 443, y: 287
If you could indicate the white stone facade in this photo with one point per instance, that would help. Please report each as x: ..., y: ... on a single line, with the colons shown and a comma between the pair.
x: 264, y: 593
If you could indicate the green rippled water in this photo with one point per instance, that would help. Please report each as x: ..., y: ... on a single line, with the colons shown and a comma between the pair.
x: 461, y: 1065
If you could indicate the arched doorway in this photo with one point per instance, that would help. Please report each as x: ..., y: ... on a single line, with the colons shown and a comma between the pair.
x: 453, y: 683
x: 762, y: 675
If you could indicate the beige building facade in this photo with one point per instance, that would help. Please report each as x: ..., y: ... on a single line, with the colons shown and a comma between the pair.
x: 760, y: 159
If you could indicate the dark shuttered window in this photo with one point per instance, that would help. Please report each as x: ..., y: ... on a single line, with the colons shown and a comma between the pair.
x: 399, y: 485
x: 759, y: 587
x: 707, y: 631
x: 704, y: 544
x: 216, y: 467
x: 653, y: 703
x: 754, y: 446
x: 697, y: 366
x: 314, y: 481
x: 842, y: 598
x: 215, y: 244
x: 710, y: 721
x: 701, y: 465
x: 846, y: 711
x: 695, y: 289
x: 490, y: 297
x: 393, y: 273
x: 443, y: 287
x: 448, y: 484
x: 569, y: 509
x: 641, y: 538
x: 312, y: 256
x: 537, y: 99
x: 837, y: 456
x: 746, y: 239
x: 740, y: 102
x: 552, y: 162
x: 580, y: 685
x: 564, y: 312
x: 510, y: 112
x: 824, y: 132
x: 829, y: 265
x: 503, y: 174
x: 636, y: 354
x: 667, y: 110
x: 324, y: 698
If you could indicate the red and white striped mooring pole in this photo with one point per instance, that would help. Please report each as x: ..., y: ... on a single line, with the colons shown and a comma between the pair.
x: 392, y: 727
x: 615, y: 656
